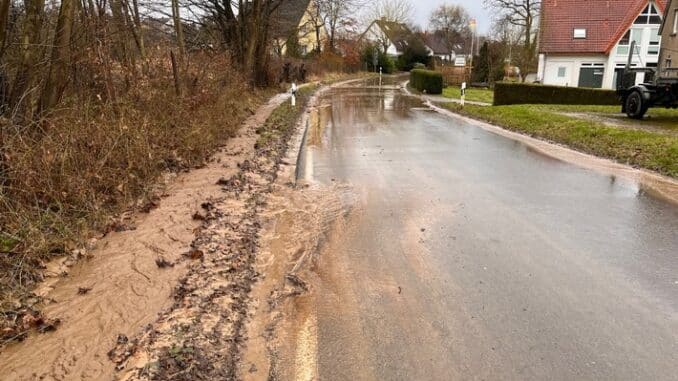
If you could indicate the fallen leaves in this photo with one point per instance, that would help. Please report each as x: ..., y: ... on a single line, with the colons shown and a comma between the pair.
x: 25, y: 321
x: 163, y: 263
x: 195, y: 254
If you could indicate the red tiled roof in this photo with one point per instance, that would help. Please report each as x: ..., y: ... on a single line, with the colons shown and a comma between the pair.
x: 605, y: 22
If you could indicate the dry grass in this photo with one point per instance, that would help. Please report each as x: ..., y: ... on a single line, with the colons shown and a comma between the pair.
x: 68, y: 174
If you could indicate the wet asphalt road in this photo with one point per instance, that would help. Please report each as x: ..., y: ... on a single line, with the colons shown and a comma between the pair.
x: 470, y: 256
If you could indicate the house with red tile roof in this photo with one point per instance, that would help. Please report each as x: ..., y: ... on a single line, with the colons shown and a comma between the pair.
x: 586, y: 43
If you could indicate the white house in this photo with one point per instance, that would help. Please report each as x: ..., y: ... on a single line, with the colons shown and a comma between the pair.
x: 586, y: 43
x: 391, y: 36
x: 448, y: 53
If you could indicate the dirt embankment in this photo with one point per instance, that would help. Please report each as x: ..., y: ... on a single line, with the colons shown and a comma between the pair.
x: 131, y: 275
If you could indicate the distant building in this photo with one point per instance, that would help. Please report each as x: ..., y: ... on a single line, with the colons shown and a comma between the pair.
x: 586, y: 43
x: 440, y: 48
x: 295, y: 22
x: 390, y: 36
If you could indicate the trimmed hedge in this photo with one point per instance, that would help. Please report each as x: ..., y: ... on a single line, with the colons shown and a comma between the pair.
x: 506, y: 93
x: 428, y: 81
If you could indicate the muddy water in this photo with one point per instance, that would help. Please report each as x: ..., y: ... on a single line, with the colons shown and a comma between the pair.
x: 128, y: 289
x: 471, y: 255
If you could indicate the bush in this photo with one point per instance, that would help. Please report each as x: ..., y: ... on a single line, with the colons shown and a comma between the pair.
x: 428, y: 81
x: 522, y: 93
x: 415, y: 53
x: 383, y: 60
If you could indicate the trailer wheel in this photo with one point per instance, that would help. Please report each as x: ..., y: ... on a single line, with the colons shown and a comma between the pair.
x: 635, y: 106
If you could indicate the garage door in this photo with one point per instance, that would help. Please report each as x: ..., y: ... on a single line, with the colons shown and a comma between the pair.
x: 591, y: 77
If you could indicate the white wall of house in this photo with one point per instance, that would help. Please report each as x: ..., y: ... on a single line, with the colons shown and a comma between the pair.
x: 375, y: 35
x: 561, y: 70
x: 648, y: 41
x: 564, y: 70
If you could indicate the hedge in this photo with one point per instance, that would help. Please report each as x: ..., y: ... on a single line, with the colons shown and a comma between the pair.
x: 506, y: 93
x: 428, y: 81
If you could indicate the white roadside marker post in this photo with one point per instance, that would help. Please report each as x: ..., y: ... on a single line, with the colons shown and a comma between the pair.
x: 380, y: 70
x: 463, y: 93
x: 294, y: 94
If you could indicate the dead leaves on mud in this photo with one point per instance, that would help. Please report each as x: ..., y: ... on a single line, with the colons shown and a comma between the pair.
x: 23, y: 321
x: 202, y: 334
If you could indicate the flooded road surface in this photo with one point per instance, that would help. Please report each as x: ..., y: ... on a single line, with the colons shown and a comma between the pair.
x: 471, y: 256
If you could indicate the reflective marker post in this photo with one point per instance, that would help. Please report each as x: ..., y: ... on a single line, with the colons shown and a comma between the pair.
x: 294, y: 94
x: 380, y: 70
x: 463, y: 93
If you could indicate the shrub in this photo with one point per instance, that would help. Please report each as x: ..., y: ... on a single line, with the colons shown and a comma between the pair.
x: 522, y: 93
x: 383, y: 60
x: 428, y: 81
x: 415, y: 53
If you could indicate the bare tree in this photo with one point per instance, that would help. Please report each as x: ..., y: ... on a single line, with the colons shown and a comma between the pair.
x: 452, y: 22
x: 338, y: 14
x: 4, y: 21
x: 522, y: 14
x: 30, y: 56
x: 244, y: 26
x: 57, y: 78
x: 178, y: 30
x: 316, y: 21
x: 400, y: 11
x: 450, y: 19
x: 136, y: 28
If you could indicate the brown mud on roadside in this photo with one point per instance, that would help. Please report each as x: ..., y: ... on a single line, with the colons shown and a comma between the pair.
x: 282, y: 330
x: 129, y: 277
x: 203, y: 334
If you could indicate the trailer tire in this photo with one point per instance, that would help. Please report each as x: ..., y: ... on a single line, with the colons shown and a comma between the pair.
x: 636, y: 107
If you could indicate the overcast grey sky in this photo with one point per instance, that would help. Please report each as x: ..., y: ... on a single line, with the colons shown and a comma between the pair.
x: 475, y: 8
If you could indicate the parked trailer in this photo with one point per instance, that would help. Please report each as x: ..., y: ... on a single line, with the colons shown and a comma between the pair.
x: 660, y: 91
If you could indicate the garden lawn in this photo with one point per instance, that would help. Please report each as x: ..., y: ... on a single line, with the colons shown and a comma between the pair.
x: 472, y: 94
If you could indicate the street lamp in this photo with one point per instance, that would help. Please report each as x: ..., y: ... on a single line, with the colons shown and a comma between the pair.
x: 473, y: 25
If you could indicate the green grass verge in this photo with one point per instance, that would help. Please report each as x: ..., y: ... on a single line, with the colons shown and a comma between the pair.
x: 283, y: 119
x: 654, y: 151
x: 660, y: 118
x: 472, y: 94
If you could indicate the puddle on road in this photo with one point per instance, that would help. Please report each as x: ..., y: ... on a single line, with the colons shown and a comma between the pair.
x: 398, y: 155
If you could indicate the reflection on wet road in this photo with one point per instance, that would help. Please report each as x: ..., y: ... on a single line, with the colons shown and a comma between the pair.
x: 471, y: 256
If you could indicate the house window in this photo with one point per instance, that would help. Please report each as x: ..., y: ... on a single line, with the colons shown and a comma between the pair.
x: 653, y: 49
x: 580, y: 33
x: 625, y: 42
x: 675, y: 22
x: 303, y: 49
x: 561, y: 72
x: 650, y: 15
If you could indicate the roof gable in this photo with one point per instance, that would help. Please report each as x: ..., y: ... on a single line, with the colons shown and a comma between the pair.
x: 288, y: 16
x: 396, y: 32
x: 605, y: 22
